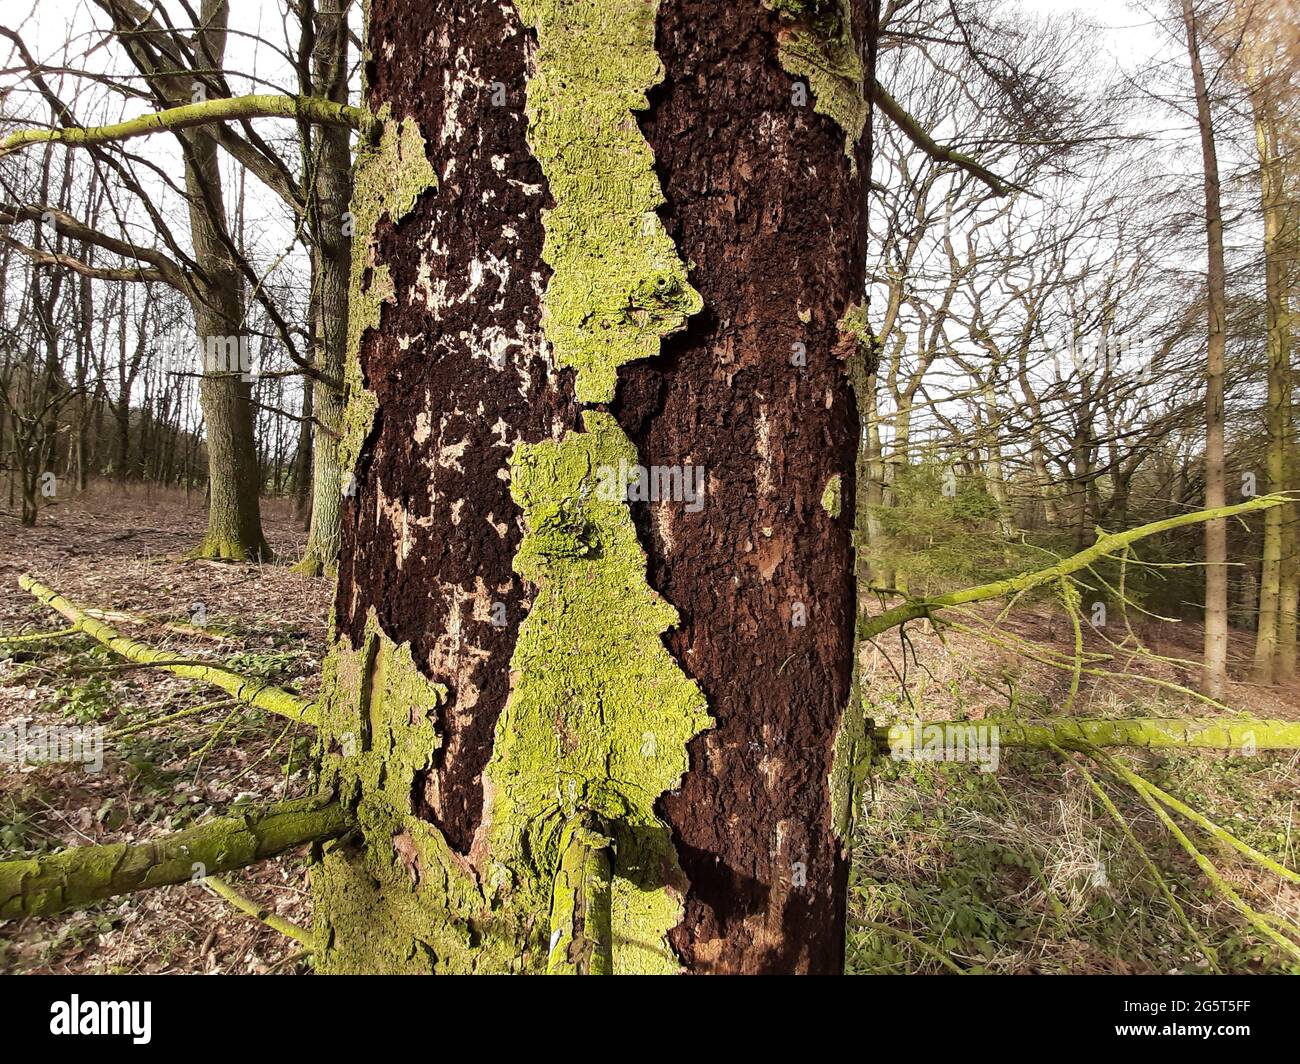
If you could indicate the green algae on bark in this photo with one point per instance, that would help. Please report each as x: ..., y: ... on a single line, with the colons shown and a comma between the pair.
x: 831, y: 501
x: 618, y: 284
x: 820, y: 47
x: 852, y: 750
x: 376, y: 732
x: 390, y: 175
x: 581, y: 936
x: 600, y: 714
x: 597, y: 723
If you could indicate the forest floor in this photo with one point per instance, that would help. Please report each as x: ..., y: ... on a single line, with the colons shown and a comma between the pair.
x: 1015, y: 870
x: 116, y: 549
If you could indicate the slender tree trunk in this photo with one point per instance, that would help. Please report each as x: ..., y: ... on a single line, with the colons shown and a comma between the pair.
x: 1082, y: 447
x: 871, y: 492
x: 529, y: 672
x: 302, y: 459
x: 1272, y: 198
x: 1289, y: 577
x: 1215, y: 678
x: 994, y: 470
x: 332, y: 256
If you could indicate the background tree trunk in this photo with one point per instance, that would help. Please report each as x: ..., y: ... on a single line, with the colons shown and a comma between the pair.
x: 331, y: 261
x: 1278, y: 320
x: 1215, y: 676
x: 234, y: 514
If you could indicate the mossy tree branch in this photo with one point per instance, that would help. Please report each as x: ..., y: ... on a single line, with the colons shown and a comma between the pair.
x: 869, y: 627
x: 235, y: 108
x: 1144, y: 791
x: 249, y: 907
x: 42, y: 886
x: 1189, y: 733
x: 37, y: 637
x: 1143, y: 785
x: 253, y: 692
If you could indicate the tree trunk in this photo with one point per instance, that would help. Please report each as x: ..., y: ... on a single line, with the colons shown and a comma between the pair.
x: 876, y: 569
x: 225, y: 393
x: 331, y: 262
x: 520, y: 653
x: 1273, y: 203
x: 302, y: 460
x: 1215, y: 677
x: 1082, y: 450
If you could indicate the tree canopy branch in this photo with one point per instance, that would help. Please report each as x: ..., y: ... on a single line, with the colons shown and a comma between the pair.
x: 165, y: 268
x: 187, y: 116
x: 85, y: 269
x: 919, y: 136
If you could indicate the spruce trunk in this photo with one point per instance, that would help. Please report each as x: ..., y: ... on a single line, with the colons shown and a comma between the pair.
x: 596, y: 601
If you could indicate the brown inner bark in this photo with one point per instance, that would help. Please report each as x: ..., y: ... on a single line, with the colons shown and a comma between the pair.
x: 763, y: 201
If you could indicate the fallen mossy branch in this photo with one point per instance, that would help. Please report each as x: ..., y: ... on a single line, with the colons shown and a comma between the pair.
x: 179, y: 627
x: 1088, y: 736
x: 37, y: 637
x: 42, y: 886
x: 913, y: 609
x: 1206, y: 866
x: 1234, y: 735
x: 1052, y: 659
x: 920, y: 944
x: 156, y: 722
x: 581, y: 929
x: 246, y: 905
x: 235, y: 108
x: 257, y: 693
x: 1144, y: 786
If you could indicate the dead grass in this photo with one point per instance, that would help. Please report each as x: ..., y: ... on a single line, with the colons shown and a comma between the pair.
x: 971, y: 862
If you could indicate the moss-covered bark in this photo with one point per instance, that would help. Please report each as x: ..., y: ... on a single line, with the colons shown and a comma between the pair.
x: 581, y: 925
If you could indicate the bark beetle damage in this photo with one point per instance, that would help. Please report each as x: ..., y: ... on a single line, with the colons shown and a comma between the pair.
x: 762, y: 199
x: 431, y: 533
